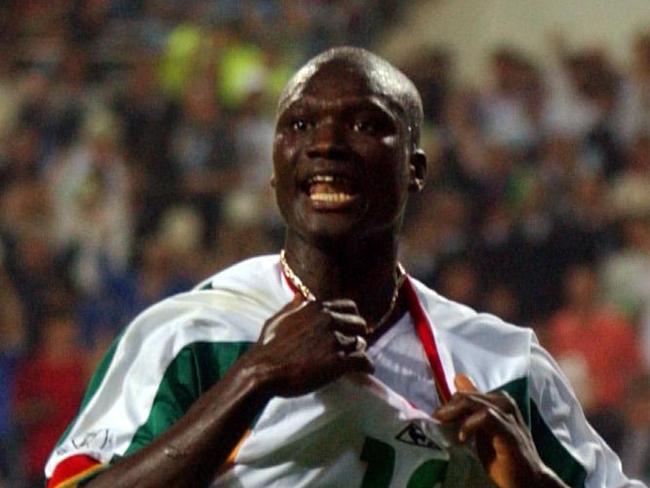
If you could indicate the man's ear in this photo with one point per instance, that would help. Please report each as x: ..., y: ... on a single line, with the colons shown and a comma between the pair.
x: 417, y: 169
x: 272, y: 180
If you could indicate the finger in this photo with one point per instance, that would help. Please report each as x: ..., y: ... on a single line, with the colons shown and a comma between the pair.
x: 349, y: 343
x: 348, y: 323
x: 345, y: 340
x: 290, y: 305
x: 463, y: 383
x: 508, y: 405
x: 499, y: 400
x: 268, y: 332
x: 456, y: 408
x: 463, y: 404
x: 357, y: 361
x: 343, y: 305
x: 348, y: 318
x: 361, y: 345
x: 489, y: 421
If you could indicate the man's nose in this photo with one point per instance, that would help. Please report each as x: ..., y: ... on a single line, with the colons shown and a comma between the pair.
x: 328, y: 140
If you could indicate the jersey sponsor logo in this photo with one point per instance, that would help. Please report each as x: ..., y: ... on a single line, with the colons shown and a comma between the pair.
x: 95, y: 440
x: 415, y: 435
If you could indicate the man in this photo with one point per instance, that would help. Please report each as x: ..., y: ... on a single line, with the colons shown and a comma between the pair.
x: 321, y: 367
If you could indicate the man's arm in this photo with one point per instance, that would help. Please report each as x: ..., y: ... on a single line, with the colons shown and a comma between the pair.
x: 191, y: 451
x: 297, y: 352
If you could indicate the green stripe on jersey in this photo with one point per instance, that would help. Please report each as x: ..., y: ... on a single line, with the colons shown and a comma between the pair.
x: 554, y: 454
x: 550, y: 449
x: 518, y: 390
x: 193, y: 371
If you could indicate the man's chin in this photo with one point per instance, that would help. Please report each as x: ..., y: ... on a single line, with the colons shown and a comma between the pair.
x: 339, y: 232
x: 329, y: 228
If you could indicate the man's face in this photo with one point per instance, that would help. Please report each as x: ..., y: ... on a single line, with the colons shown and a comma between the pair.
x: 341, y: 157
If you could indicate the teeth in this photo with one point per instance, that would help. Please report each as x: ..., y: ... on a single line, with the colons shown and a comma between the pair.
x: 321, y: 179
x: 331, y: 197
x: 329, y: 188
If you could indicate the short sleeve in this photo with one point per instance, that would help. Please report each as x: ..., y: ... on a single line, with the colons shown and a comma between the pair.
x: 563, y: 437
x: 149, y: 378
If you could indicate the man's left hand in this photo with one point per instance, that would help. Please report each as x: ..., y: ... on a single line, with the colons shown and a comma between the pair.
x: 503, y: 443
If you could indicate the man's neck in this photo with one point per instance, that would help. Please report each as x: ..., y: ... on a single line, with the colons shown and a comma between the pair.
x: 362, y: 270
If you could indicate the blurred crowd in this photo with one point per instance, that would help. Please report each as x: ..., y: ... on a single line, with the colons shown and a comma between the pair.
x: 135, y: 144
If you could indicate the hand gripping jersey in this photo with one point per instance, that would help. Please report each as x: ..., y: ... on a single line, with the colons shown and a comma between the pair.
x: 359, y: 431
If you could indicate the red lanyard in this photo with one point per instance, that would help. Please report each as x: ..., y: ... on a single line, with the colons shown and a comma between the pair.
x: 425, y: 333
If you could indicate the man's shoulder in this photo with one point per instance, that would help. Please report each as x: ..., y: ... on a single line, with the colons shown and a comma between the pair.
x: 491, y: 351
x: 231, y: 305
x: 457, y: 318
x: 250, y: 273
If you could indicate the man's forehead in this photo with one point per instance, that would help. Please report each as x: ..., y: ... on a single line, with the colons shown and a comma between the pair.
x: 342, y: 101
x: 339, y: 80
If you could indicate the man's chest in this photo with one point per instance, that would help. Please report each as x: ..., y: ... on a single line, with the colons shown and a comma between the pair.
x: 400, y: 363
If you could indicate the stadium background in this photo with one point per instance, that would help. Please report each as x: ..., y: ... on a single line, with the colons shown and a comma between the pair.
x: 134, y: 162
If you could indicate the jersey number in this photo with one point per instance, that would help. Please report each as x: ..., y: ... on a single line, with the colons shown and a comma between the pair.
x: 381, y: 464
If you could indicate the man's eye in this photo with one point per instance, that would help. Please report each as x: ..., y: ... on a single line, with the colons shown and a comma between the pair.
x: 364, y: 126
x: 300, y: 125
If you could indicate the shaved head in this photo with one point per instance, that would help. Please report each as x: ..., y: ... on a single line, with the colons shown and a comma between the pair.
x: 382, y: 77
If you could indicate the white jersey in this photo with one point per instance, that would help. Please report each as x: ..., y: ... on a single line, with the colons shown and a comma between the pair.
x: 359, y: 431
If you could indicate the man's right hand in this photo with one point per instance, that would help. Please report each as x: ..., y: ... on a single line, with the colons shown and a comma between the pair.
x: 309, y: 344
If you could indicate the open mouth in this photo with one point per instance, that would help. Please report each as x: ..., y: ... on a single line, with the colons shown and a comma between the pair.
x: 331, y: 190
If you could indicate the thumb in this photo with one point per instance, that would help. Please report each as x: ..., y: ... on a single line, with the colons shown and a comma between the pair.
x: 294, y: 303
x: 268, y: 331
x: 464, y: 384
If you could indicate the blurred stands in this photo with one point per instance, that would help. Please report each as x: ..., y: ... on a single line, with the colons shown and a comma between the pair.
x: 135, y: 159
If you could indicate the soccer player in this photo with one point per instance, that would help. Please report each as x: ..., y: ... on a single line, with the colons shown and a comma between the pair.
x: 327, y: 365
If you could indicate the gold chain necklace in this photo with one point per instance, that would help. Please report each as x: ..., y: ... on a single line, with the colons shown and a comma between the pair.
x: 399, y: 277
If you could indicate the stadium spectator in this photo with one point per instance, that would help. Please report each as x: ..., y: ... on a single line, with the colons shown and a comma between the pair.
x: 589, y: 332
x: 202, y: 150
x: 635, y: 449
x: 625, y: 272
x: 13, y: 338
x: 49, y: 387
x: 91, y: 193
x: 148, y: 117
